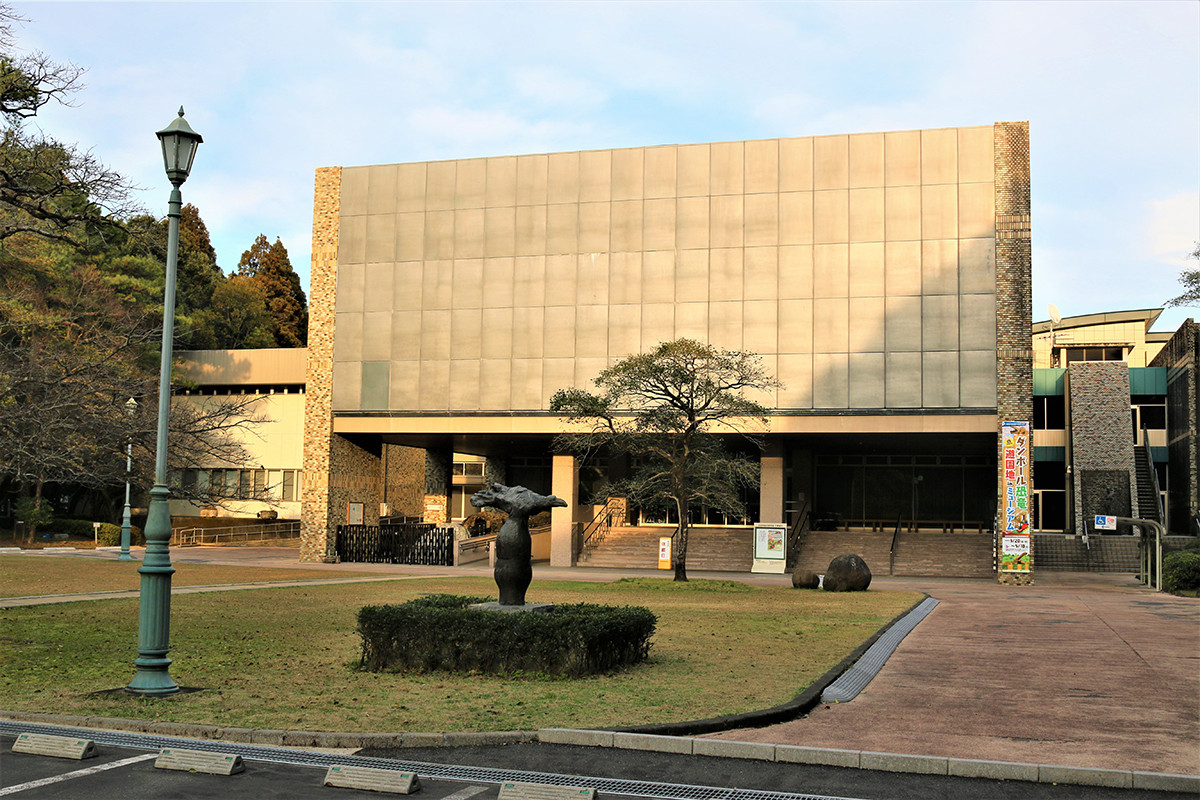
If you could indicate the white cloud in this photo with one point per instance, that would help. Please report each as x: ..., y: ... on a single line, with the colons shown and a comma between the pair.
x: 1173, y: 227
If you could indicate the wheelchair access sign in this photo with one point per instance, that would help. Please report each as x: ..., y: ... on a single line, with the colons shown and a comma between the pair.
x: 1103, y: 523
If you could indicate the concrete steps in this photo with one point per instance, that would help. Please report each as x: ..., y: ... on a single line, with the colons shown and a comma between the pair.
x: 1069, y: 554
x: 957, y: 555
x: 709, y: 548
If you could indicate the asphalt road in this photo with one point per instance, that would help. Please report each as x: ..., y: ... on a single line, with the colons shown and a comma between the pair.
x: 129, y: 774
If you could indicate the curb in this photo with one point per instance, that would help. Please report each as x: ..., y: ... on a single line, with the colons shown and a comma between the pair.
x: 883, y: 762
x: 797, y: 707
x: 275, y: 738
x: 680, y: 745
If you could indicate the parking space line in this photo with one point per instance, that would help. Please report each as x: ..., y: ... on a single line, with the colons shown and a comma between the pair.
x: 463, y: 794
x: 79, y: 773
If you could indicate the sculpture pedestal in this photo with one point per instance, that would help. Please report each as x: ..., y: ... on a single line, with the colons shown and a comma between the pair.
x: 494, y: 605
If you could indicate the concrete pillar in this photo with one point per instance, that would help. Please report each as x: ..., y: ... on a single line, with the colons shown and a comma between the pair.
x: 771, y: 481
x: 564, y: 482
x: 438, y: 466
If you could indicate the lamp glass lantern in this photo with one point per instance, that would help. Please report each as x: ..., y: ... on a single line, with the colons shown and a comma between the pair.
x: 179, y: 145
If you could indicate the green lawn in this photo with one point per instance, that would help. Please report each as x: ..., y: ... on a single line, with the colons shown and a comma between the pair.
x: 34, y: 576
x: 287, y: 658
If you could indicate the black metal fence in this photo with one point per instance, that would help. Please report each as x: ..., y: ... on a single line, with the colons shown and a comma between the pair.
x: 414, y: 543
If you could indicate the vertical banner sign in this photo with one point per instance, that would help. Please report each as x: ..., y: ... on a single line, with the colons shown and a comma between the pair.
x: 664, y: 552
x: 1016, y: 551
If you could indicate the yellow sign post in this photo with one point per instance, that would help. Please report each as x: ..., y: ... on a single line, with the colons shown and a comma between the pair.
x: 664, y: 552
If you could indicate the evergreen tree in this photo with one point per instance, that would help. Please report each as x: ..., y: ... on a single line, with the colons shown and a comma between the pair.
x: 671, y: 410
x: 270, y: 268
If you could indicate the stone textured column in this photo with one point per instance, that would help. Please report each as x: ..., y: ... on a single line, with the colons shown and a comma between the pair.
x: 1104, y: 474
x: 315, y: 517
x: 438, y: 481
x: 564, y: 483
x: 1014, y: 290
x: 770, y: 482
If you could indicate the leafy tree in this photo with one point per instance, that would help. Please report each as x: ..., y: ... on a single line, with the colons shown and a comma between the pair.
x: 670, y: 410
x: 237, y: 318
x: 1190, y: 278
x: 197, y: 273
x: 268, y: 265
x: 80, y: 307
x: 71, y: 354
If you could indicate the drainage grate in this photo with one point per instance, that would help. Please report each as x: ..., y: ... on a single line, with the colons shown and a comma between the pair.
x: 466, y: 774
x: 855, y: 679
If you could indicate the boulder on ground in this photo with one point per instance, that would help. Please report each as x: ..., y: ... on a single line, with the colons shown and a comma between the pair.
x: 803, y: 579
x: 847, y: 573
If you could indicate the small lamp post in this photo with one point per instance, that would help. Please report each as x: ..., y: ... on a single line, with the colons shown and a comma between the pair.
x: 179, y: 144
x: 130, y: 409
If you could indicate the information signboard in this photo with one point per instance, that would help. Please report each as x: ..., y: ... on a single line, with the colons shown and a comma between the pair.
x: 770, y: 547
x: 1104, y: 523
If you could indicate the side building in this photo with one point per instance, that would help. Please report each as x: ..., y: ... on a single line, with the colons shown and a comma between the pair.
x: 883, y: 277
x: 259, y: 471
x: 1114, y: 434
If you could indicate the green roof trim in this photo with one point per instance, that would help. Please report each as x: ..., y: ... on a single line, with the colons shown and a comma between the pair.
x: 1143, y: 380
x: 1049, y: 381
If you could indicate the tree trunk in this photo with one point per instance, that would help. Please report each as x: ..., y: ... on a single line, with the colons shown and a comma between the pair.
x: 681, y: 544
x: 31, y: 528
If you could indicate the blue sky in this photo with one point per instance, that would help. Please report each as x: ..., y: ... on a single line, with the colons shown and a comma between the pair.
x: 1111, y: 91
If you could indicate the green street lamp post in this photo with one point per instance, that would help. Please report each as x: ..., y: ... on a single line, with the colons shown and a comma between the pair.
x: 130, y: 409
x: 179, y: 143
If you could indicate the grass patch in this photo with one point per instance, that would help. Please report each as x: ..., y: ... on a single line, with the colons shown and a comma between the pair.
x: 692, y: 585
x: 287, y: 658
x: 34, y: 576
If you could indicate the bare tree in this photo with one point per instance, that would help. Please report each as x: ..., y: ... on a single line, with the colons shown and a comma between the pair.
x: 49, y: 189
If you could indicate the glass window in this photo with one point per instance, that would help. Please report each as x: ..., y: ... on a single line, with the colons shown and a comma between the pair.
x: 260, y: 482
x: 288, y: 487
x: 245, y: 483
x: 1153, y: 417
x: 274, y: 484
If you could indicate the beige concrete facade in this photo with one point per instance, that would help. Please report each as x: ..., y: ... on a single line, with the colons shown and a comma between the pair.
x: 866, y: 269
x: 488, y: 284
x: 1128, y: 330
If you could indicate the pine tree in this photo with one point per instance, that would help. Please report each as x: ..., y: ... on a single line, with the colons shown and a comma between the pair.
x: 270, y: 268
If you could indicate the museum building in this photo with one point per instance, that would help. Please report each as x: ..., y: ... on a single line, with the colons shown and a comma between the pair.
x: 884, y: 278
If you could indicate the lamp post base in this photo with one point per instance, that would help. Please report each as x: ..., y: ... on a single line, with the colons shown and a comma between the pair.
x: 152, y: 678
x: 154, y: 610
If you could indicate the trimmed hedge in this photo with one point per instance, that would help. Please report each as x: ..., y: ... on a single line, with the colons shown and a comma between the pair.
x: 1181, y: 571
x: 439, y: 632
x: 110, y: 535
x: 79, y: 528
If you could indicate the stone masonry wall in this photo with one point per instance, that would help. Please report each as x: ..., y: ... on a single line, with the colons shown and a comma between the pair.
x: 336, y: 471
x: 1014, y: 289
x: 1105, y: 476
x: 404, y: 469
x: 1181, y: 357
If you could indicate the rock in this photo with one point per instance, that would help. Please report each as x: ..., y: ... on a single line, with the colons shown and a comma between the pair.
x: 847, y: 573
x: 803, y: 579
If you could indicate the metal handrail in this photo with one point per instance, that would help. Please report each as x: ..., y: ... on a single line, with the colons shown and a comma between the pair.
x: 601, y: 524
x: 799, y: 528
x: 892, y: 548
x: 476, y: 542
x: 194, y: 536
x: 1162, y: 515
